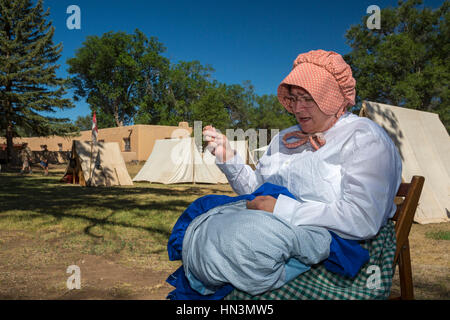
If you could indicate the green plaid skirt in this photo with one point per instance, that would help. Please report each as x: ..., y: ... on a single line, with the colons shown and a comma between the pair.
x: 373, y: 281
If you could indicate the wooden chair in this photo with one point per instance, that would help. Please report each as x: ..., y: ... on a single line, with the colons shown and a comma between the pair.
x: 410, y: 192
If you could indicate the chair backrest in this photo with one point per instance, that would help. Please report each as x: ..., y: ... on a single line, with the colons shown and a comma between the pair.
x: 410, y: 192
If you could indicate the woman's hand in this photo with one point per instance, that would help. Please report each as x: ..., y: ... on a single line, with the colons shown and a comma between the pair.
x: 266, y: 203
x: 218, y: 144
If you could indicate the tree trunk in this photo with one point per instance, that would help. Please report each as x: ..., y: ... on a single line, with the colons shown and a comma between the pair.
x: 119, y: 122
x: 9, y: 144
x: 8, y: 108
x: 9, y: 128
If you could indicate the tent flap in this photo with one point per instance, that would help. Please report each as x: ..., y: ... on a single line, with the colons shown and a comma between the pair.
x: 424, y: 146
x: 100, y: 164
x: 179, y: 161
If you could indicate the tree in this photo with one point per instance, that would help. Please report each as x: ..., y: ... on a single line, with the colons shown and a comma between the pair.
x: 188, y: 82
x: 29, y: 87
x: 404, y: 63
x: 240, y: 104
x: 117, y: 73
x: 270, y: 114
x: 188, y: 94
x: 210, y: 108
x: 84, y: 123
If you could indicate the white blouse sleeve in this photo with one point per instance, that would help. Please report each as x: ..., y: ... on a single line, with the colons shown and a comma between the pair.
x: 242, y: 178
x: 371, y: 174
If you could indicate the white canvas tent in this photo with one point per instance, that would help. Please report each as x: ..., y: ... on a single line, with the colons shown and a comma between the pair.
x: 179, y: 161
x: 100, y: 164
x: 424, y: 145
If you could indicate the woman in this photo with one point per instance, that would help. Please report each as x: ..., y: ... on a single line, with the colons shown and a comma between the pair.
x: 26, y: 156
x: 44, y: 159
x: 343, y: 170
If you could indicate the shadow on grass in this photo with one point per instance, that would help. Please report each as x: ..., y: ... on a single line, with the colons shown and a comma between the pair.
x: 424, y: 289
x: 47, y: 196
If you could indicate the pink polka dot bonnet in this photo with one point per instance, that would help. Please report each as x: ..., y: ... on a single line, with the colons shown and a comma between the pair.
x: 326, y: 77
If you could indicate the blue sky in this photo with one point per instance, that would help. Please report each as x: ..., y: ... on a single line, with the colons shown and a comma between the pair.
x: 241, y: 40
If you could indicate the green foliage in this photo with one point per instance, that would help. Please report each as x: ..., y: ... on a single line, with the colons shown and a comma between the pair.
x: 84, y: 123
x: 438, y: 235
x: 29, y: 87
x: 271, y: 114
x: 27, y: 67
x: 404, y: 63
x: 240, y: 104
x: 118, y: 72
x: 125, y: 80
x: 210, y: 108
x: 186, y: 83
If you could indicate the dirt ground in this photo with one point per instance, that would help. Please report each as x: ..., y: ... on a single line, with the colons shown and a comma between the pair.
x: 430, y: 263
x: 24, y: 276
x: 31, y: 270
x: 111, y: 278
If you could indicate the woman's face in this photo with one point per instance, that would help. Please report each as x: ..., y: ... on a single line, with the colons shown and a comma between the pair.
x: 307, y: 112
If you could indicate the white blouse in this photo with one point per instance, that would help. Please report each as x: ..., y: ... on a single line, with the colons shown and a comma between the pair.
x: 347, y: 186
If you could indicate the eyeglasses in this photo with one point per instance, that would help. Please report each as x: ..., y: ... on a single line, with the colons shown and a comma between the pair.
x: 291, y: 100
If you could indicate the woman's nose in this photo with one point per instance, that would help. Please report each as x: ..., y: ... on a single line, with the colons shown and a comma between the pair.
x: 298, y: 106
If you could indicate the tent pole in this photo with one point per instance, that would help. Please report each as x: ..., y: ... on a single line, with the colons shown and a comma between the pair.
x: 73, y: 157
x: 90, y: 165
x: 118, y: 180
x: 362, y: 112
x: 193, y: 159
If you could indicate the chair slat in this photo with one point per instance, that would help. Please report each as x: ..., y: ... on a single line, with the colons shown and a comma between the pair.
x: 403, y: 189
x: 403, y: 221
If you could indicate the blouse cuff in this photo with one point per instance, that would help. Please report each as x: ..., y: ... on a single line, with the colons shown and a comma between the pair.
x: 285, y: 208
x: 232, y: 167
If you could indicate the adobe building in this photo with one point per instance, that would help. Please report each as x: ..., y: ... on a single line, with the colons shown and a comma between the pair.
x: 135, y: 142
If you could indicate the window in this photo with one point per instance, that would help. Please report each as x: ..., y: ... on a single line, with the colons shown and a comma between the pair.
x: 127, y: 144
x: 60, y: 147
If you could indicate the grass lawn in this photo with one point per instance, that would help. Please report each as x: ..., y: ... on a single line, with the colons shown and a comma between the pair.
x: 118, y: 238
x: 116, y: 235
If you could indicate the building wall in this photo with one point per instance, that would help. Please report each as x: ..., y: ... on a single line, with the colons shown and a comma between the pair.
x: 149, y: 134
x: 142, y: 139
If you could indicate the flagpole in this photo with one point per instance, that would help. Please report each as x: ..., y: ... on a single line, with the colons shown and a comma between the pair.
x: 93, y: 139
x: 90, y: 165
x: 193, y: 158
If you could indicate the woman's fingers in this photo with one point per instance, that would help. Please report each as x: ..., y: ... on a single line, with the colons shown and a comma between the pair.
x: 210, y: 131
x: 218, y: 144
x: 213, y: 136
x: 210, y: 135
x: 211, y: 147
x: 210, y: 138
x: 266, y: 203
x: 209, y: 128
x: 251, y: 205
x: 254, y: 204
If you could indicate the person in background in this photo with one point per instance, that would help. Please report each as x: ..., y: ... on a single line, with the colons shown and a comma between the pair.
x: 25, y: 156
x: 44, y: 159
x: 343, y: 170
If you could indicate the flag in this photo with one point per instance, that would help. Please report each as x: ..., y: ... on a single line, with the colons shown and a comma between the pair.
x: 94, y: 128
